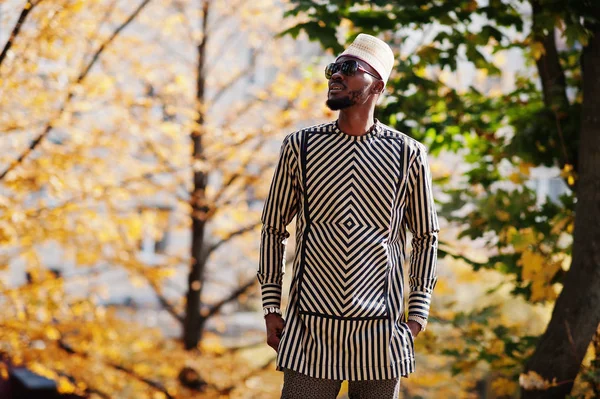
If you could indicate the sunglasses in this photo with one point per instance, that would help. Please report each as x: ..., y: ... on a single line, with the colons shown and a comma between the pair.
x: 348, y: 68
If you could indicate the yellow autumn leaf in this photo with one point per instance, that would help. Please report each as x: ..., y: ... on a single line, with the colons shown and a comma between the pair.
x: 559, y: 225
x: 52, y: 333
x: 42, y: 370
x: 65, y: 386
x: 537, y: 49
x: 523, y: 239
x: 6, y: 235
x: 3, y: 371
x: 137, y: 281
x: 542, y: 291
x: 503, y: 362
x: 170, y: 128
x: 569, y: 173
x: 525, y: 168
x: 86, y: 256
x: 134, y: 228
x: 507, y: 234
x: 142, y: 369
x: 516, y: 178
x: 550, y: 269
x: 142, y: 344
x: 502, y: 215
x: 76, y: 5
x: 504, y: 387
x: 532, y: 263
x: 496, y: 347
x: 465, y: 365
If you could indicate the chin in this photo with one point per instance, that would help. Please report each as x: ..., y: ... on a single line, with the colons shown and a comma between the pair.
x: 337, y: 103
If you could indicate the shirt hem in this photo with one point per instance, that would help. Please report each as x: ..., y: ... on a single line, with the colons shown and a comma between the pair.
x: 401, y: 369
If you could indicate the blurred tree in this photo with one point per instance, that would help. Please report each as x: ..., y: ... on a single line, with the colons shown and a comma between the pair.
x: 258, y: 114
x: 109, y: 108
x: 545, y: 116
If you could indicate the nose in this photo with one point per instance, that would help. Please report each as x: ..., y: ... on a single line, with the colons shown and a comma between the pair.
x: 338, y: 75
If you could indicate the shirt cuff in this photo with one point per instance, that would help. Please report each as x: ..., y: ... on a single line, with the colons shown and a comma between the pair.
x: 422, y: 321
x: 271, y: 295
x: 418, y: 304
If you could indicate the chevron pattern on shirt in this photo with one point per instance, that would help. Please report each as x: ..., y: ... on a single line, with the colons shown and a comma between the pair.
x: 351, y: 192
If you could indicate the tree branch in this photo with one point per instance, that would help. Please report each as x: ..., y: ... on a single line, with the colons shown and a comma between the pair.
x: 231, y: 297
x: 164, y: 301
x: 221, y: 21
x: 110, y: 40
x: 27, y: 8
x: 14, y: 128
x: 235, y: 176
x: 107, y: 14
x: 234, y: 80
x: 157, y: 291
x: 235, y: 349
x: 222, y: 157
x: 180, y: 7
x: 234, y: 234
x: 156, y: 385
x: 105, y: 190
x: 233, y: 41
x: 87, y: 390
x: 80, y: 78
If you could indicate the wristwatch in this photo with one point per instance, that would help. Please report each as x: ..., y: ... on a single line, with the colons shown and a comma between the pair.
x: 421, y: 320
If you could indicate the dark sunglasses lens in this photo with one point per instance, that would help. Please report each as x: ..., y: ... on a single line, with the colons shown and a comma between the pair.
x: 330, y: 70
x: 349, y: 68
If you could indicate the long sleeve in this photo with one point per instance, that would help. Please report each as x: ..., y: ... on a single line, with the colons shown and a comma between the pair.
x: 280, y: 207
x: 422, y: 222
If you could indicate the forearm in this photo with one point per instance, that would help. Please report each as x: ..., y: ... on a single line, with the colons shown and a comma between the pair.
x: 423, y: 223
x: 270, y: 271
x: 422, y: 274
x: 281, y: 205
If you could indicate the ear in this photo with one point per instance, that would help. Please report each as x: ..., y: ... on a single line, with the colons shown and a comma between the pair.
x: 377, y: 87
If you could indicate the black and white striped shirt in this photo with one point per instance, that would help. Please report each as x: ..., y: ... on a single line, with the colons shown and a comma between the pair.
x: 354, y: 198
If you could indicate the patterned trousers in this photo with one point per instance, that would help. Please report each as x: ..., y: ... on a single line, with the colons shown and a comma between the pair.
x: 301, y: 386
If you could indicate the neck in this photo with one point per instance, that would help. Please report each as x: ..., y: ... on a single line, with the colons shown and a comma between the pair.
x: 356, y: 122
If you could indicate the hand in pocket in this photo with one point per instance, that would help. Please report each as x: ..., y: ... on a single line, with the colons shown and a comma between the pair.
x: 275, y: 325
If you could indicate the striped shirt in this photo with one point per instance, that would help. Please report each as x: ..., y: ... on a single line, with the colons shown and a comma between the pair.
x: 354, y: 198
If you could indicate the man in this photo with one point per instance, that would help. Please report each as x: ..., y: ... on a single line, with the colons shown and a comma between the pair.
x: 355, y: 186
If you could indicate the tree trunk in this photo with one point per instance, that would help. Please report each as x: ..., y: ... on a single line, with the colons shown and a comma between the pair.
x: 576, y: 314
x: 554, y: 85
x: 193, y: 323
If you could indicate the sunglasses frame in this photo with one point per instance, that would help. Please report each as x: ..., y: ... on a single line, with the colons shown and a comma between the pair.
x: 339, y: 67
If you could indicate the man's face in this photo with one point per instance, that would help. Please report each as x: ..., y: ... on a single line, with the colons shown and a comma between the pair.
x: 346, y: 91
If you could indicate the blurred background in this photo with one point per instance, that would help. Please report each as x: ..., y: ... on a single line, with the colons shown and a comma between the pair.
x: 138, y: 142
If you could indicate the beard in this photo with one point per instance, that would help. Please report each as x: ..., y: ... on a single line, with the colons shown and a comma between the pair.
x: 335, y: 104
x: 354, y: 97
